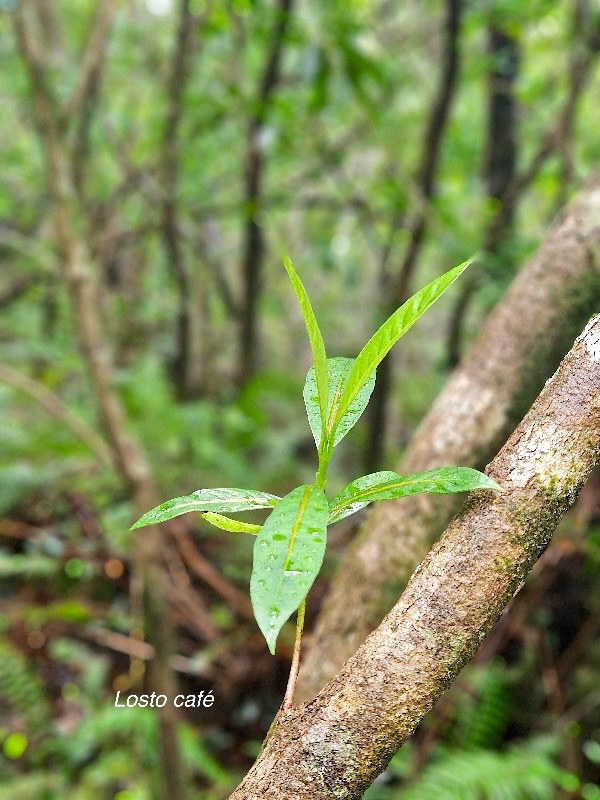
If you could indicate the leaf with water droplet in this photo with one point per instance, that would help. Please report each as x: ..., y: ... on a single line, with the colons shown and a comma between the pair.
x: 338, y: 370
x: 215, y: 500
x: 391, y: 485
x: 283, y: 582
x: 317, y: 346
x: 384, y: 339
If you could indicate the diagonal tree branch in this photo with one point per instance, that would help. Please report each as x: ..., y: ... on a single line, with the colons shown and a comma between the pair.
x: 53, y: 405
x: 337, y: 744
x: 92, y: 60
x: 14, y: 240
x: 15, y: 290
x: 521, y: 343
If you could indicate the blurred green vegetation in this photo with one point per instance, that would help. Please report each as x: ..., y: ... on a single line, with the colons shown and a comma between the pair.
x: 341, y: 141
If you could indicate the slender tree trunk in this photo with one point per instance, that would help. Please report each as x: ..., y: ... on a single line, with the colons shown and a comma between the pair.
x: 557, y: 137
x: 499, y: 172
x: 396, y: 291
x: 253, y: 243
x: 519, y: 347
x: 501, y: 145
x: 188, y: 365
x: 586, y: 46
x: 82, y: 103
x: 583, y: 36
x: 337, y: 744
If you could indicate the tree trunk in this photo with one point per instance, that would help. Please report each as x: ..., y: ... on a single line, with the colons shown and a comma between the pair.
x: 253, y: 246
x: 337, y: 744
x: 519, y: 347
x: 499, y: 171
x: 400, y: 286
x: 189, y: 361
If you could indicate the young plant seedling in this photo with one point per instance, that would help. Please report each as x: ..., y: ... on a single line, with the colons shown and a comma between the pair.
x: 290, y: 545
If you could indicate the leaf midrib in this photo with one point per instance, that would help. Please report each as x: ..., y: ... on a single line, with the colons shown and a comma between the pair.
x: 295, y: 529
x: 221, y: 501
x: 330, y: 428
x: 361, y: 494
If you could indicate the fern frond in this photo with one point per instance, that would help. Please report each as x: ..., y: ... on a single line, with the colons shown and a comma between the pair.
x: 482, y: 720
x: 22, y: 693
x: 526, y: 772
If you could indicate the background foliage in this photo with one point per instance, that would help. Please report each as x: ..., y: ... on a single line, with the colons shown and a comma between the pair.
x: 181, y: 146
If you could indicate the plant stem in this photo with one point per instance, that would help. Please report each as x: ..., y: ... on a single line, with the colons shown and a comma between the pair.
x: 320, y: 476
x: 288, y: 700
x: 324, y: 457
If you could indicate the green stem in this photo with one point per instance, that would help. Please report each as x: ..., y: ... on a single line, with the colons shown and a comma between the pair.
x: 288, y: 700
x: 321, y: 476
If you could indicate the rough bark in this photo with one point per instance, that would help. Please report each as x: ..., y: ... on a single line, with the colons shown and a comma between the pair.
x: 337, y: 744
x: 519, y: 347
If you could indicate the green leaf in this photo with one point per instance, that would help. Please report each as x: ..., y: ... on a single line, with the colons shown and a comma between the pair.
x: 316, y: 340
x: 231, y: 525
x: 338, y: 370
x: 288, y: 554
x: 208, y: 500
x: 390, y: 485
x: 392, y: 329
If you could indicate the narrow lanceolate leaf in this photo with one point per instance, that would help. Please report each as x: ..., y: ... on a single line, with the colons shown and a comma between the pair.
x: 392, y: 329
x: 338, y: 370
x: 218, y: 500
x: 315, y: 337
x: 288, y: 553
x: 229, y: 524
x: 390, y: 485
